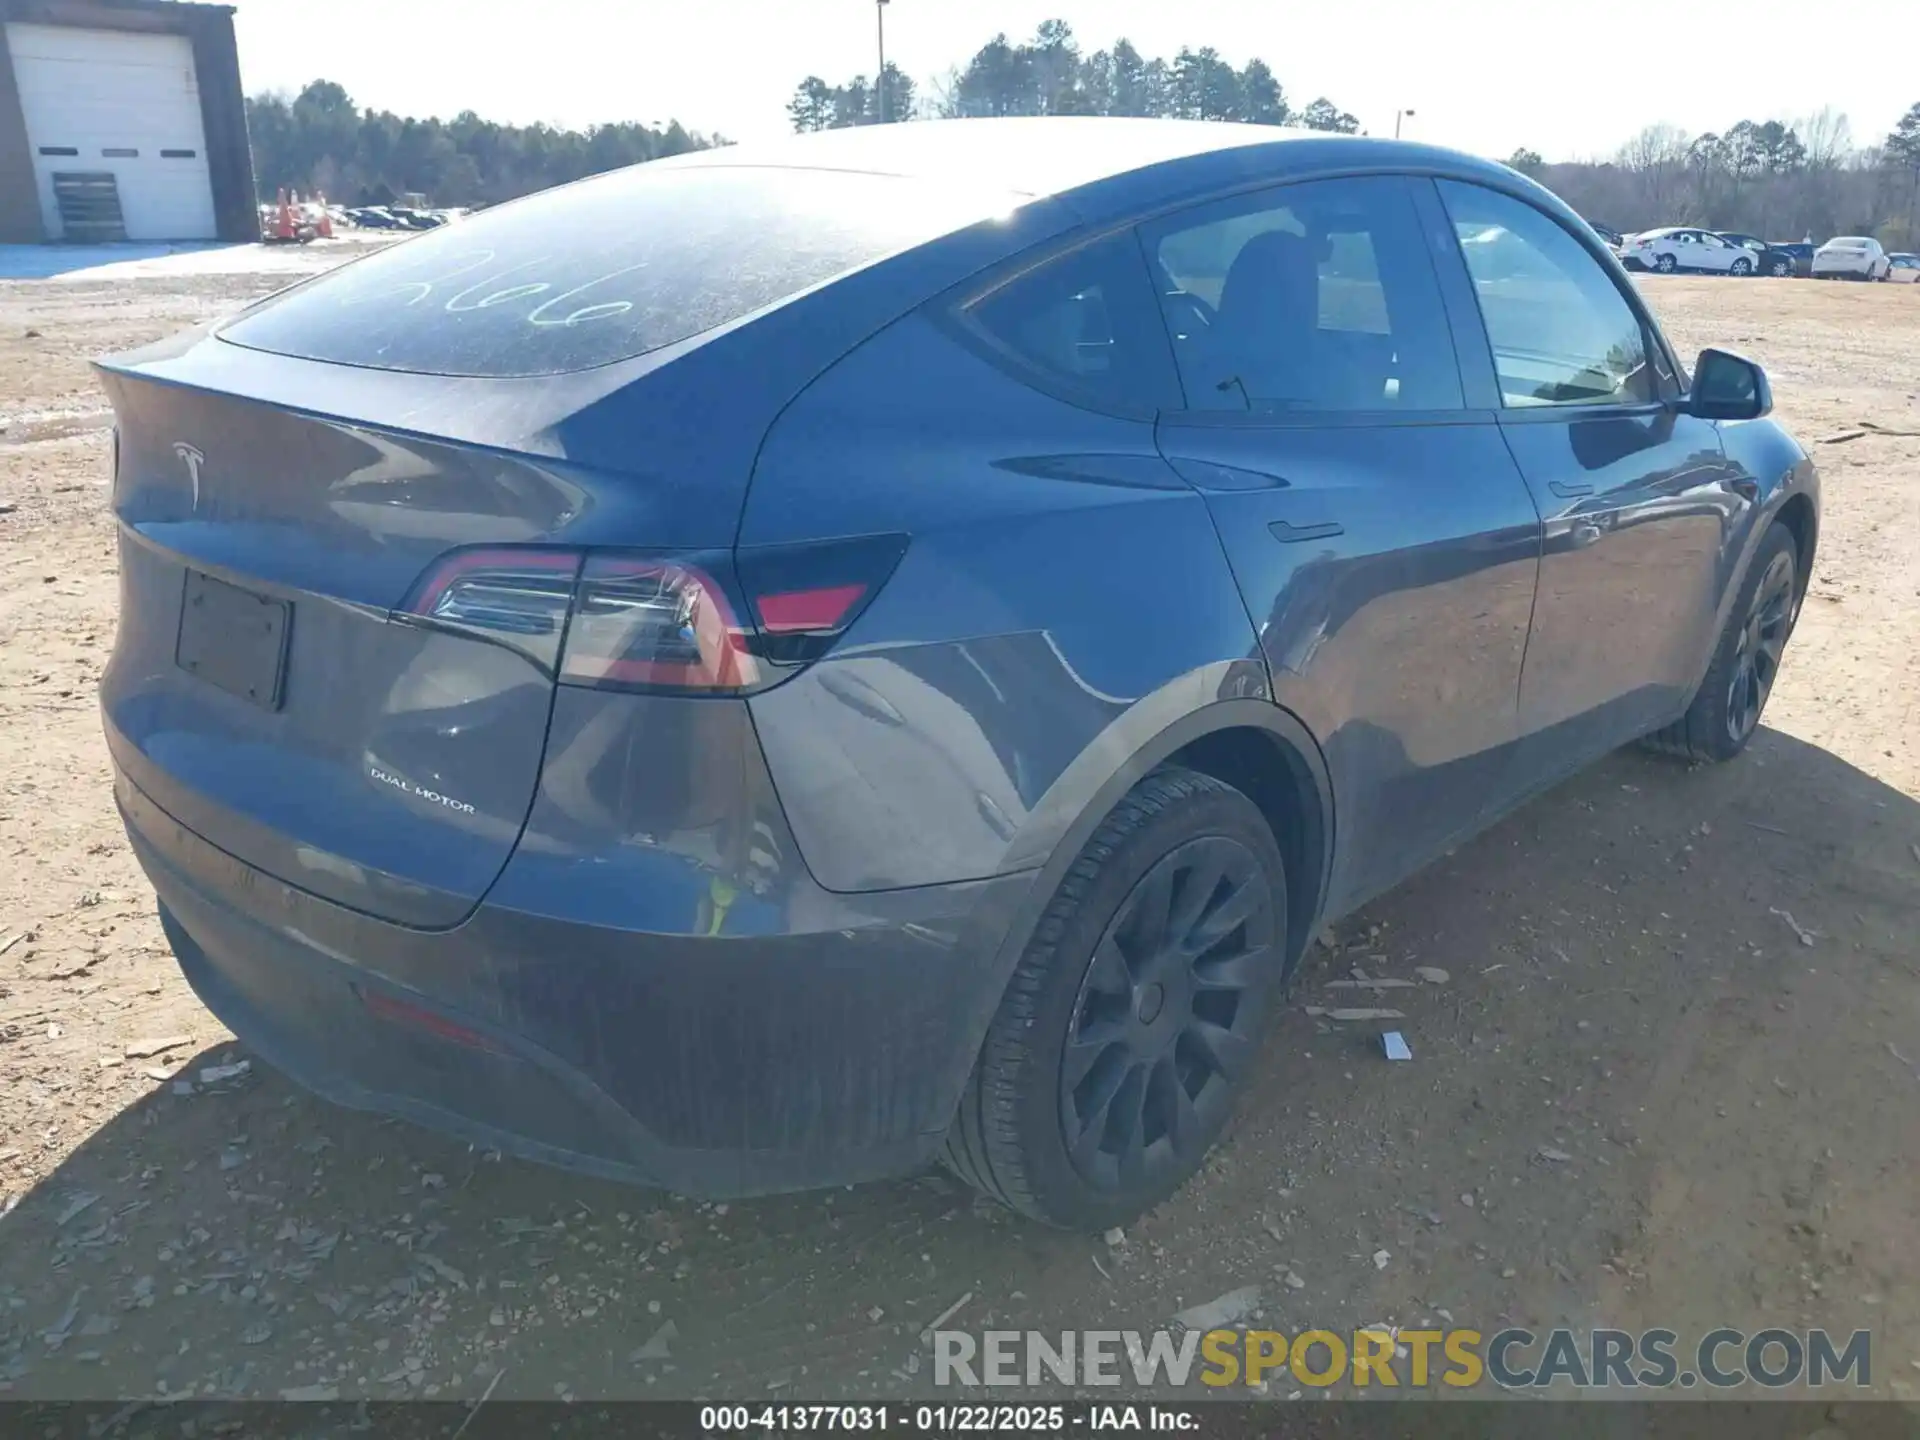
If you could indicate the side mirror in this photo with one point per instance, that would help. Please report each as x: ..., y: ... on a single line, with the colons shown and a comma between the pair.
x: 1728, y: 387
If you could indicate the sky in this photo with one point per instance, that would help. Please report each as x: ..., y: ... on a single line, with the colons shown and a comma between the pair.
x: 1571, y: 80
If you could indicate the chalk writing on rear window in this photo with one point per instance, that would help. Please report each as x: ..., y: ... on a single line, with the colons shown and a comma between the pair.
x: 604, y: 270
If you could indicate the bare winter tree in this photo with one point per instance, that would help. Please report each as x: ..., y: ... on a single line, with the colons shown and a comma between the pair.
x: 1774, y: 178
x: 1815, y: 192
x: 1827, y: 136
x: 939, y: 98
x: 1902, y: 151
x: 1656, y: 161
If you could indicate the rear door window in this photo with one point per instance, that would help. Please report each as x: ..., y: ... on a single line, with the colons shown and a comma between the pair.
x: 1319, y: 296
x: 606, y: 269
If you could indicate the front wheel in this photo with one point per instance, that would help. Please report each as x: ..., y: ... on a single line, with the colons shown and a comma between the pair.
x: 1743, y: 267
x: 1780, y: 268
x: 1726, y: 710
x: 1133, y: 1017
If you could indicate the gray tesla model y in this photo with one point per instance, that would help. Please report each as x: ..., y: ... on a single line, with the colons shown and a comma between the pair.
x: 778, y: 666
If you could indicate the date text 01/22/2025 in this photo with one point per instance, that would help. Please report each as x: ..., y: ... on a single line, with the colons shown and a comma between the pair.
x: 958, y: 1419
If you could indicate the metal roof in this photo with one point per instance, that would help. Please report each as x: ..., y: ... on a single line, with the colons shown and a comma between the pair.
x: 90, y: 14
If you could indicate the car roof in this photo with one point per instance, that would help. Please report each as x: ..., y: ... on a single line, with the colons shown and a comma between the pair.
x: 1029, y: 155
x: 1096, y: 163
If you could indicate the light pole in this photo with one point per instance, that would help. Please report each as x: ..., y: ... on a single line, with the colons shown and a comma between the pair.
x: 1398, y: 115
x: 880, y: 84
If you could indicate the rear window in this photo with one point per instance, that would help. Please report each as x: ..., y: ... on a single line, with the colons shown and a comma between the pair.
x: 605, y: 270
x: 1088, y: 320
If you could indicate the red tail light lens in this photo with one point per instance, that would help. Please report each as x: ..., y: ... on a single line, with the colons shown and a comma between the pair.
x: 656, y: 624
x: 804, y: 611
x: 806, y: 596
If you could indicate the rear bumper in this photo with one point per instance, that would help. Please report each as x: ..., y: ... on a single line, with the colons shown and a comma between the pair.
x: 831, y: 1052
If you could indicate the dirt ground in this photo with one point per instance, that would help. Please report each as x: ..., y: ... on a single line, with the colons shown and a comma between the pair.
x: 1639, y: 1099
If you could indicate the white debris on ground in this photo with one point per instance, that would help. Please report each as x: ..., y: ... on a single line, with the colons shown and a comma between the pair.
x: 90, y: 263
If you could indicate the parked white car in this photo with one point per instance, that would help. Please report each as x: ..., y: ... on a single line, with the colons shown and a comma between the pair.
x: 1903, y: 269
x: 1856, y: 257
x: 1682, y: 248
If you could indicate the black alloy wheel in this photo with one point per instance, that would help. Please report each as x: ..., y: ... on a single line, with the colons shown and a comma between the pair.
x: 1724, y: 714
x: 1762, y: 641
x: 1159, y: 1029
x: 1132, y: 1018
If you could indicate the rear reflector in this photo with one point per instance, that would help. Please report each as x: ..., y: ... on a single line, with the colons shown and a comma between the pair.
x: 418, y: 1017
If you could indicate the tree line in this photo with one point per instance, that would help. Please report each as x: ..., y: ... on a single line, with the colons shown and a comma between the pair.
x: 320, y: 141
x: 1776, y: 179
x: 1051, y: 75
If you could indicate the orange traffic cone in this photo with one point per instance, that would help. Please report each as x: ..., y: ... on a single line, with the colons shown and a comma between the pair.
x: 283, y: 220
x: 324, y: 225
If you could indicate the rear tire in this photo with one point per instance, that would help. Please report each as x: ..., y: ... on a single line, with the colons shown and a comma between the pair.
x: 1780, y: 269
x: 1666, y: 264
x: 1725, y: 712
x: 1130, y: 1023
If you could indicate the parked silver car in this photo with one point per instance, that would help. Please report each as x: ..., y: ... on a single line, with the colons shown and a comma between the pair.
x: 1851, y: 257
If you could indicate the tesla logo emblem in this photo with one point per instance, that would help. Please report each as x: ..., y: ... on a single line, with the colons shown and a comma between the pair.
x: 193, y: 460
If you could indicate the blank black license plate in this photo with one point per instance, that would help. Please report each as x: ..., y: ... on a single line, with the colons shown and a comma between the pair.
x: 234, y: 638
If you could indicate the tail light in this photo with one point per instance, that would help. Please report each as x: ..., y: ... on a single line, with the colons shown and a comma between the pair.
x: 666, y: 624
x: 711, y: 623
x: 805, y: 596
x: 516, y: 596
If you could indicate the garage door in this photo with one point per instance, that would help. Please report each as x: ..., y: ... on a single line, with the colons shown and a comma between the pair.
x: 107, y: 101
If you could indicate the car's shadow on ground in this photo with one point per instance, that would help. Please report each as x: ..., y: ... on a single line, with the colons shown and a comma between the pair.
x: 1615, y: 954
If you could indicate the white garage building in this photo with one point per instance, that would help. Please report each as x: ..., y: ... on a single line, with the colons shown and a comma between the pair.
x: 122, y: 120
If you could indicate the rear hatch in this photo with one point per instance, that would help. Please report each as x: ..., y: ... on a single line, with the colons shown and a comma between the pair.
x: 352, y: 522
x: 268, y: 687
